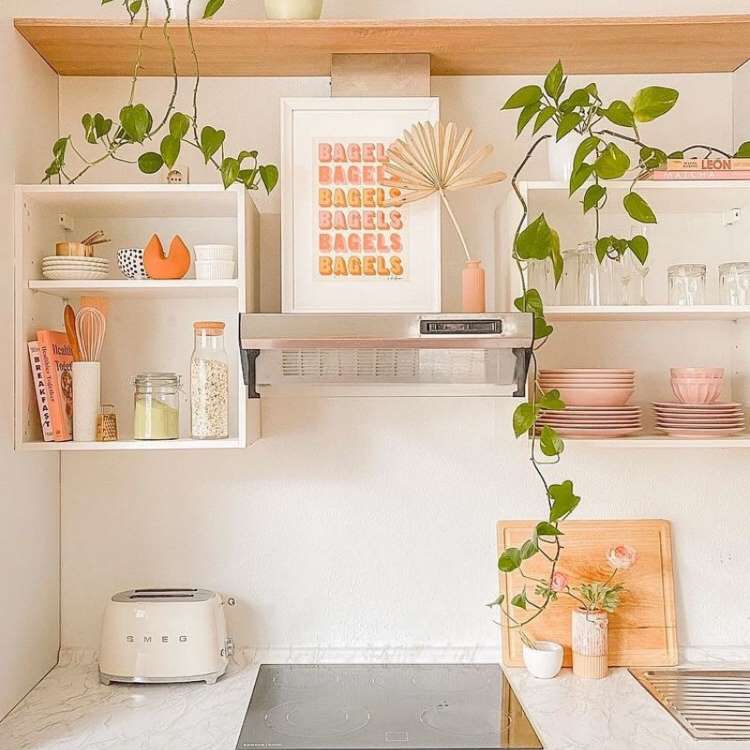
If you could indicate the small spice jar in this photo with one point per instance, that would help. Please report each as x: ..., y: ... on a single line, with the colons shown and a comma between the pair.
x: 209, y: 383
x: 157, y: 406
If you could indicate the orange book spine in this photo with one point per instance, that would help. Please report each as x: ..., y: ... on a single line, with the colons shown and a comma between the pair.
x: 57, y: 364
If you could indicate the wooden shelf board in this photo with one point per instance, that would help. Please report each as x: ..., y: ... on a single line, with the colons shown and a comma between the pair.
x: 136, y: 445
x: 647, y: 312
x: 136, y: 289
x: 494, y: 46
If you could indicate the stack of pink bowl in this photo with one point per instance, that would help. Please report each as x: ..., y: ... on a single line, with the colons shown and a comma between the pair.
x: 595, y: 402
x: 697, y: 412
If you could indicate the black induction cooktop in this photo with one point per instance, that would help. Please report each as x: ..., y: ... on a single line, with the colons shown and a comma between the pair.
x: 376, y: 706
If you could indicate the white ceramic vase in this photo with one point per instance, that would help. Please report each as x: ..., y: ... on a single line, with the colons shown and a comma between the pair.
x: 544, y: 661
x: 294, y: 9
x: 86, y: 398
x: 560, y: 156
x: 590, y: 644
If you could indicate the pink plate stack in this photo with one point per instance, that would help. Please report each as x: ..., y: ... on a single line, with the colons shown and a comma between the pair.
x: 596, y: 403
x: 699, y: 420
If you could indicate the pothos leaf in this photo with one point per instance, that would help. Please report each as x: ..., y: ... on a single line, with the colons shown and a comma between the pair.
x: 593, y: 196
x: 524, y: 96
x: 212, y: 7
x: 564, y: 500
x: 547, y: 529
x: 551, y: 400
x: 531, y: 301
x: 150, y: 162
x: 269, y: 175
x: 500, y: 599
x: 523, y: 418
x: 550, y: 442
x: 510, y: 560
x: 638, y: 209
x: 639, y: 247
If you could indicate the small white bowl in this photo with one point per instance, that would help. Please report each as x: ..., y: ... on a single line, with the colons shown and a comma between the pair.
x: 214, y: 252
x: 214, y: 270
x: 544, y: 661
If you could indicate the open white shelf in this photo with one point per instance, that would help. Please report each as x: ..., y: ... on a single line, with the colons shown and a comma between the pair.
x: 647, y: 312
x: 149, y: 323
x: 139, y: 289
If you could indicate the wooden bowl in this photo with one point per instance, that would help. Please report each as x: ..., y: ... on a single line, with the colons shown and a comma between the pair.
x: 74, y: 248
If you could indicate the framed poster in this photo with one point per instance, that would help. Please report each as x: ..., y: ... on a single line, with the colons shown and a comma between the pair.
x: 343, y: 249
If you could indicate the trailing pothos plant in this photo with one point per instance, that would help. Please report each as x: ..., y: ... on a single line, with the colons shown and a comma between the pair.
x: 162, y: 138
x: 600, y: 157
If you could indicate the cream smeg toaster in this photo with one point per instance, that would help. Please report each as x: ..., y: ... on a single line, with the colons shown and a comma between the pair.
x: 164, y: 635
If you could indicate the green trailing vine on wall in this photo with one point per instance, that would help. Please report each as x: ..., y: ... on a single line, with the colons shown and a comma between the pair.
x: 598, y: 159
x: 136, y: 126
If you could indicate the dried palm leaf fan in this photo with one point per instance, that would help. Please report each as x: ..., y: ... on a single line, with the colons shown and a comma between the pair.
x: 431, y: 159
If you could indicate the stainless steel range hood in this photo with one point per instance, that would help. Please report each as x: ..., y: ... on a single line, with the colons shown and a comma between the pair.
x: 386, y: 354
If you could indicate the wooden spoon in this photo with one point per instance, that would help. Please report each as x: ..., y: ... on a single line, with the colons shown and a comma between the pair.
x: 70, y: 330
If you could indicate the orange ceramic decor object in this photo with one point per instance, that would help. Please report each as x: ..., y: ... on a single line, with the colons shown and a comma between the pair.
x: 161, y: 266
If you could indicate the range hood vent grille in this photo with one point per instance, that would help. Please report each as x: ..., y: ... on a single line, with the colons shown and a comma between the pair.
x: 385, y: 365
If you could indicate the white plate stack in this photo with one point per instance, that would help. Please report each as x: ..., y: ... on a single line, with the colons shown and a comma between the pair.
x: 699, y: 420
x: 74, y: 268
x: 596, y: 403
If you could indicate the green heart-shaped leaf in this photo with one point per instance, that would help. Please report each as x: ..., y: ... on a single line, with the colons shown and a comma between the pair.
x: 179, y: 124
x: 510, y: 560
x: 550, y: 442
x: 524, y: 96
x: 568, y: 122
x: 612, y: 163
x: 592, y: 197
x: 523, y: 418
x: 150, y: 162
x: 230, y: 169
x: 551, y: 400
x: 619, y: 113
x: 211, y: 141
x: 638, y: 209
x: 269, y: 175
x: 135, y: 120
x: 564, y: 501
x: 639, y: 247
x: 653, y: 102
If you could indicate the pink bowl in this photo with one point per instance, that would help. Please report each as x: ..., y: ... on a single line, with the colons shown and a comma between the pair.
x: 697, y: 391
x: 697, y: 372
x: 596, y: 396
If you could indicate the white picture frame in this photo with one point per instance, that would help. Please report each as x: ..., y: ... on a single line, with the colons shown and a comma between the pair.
x: 337, y: 256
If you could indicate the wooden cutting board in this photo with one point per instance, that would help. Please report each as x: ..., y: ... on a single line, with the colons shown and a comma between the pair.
x: 642, y: 631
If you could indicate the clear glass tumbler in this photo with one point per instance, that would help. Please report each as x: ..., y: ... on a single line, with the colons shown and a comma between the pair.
x: 687, y: 284
x: 540, y: 276
x: 734, y: 283
x: 588, y: 275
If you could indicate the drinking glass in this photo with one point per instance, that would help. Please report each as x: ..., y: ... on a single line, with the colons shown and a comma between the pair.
x: 734, y: 283
x: 588, y: 275
x: 687, y: 284
x: 541, y: 276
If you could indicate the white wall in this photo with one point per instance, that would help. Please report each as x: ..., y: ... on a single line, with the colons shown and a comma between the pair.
x: 371, y: 522
x: 29, y: 490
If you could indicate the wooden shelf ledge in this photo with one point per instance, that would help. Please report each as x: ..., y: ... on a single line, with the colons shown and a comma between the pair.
x: 679, y: 44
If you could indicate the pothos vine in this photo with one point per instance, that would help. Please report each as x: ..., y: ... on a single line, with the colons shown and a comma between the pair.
x: 598, y: 159
x: 135, y: 123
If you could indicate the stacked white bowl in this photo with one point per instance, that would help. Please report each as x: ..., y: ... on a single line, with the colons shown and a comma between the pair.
x: 214, y: 262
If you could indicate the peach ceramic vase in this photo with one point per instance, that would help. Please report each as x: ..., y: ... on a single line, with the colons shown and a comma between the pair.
x: 473, y: 287
x: 590, y: 644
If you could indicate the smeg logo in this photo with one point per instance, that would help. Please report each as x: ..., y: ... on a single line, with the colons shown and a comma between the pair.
x: 158, y: 639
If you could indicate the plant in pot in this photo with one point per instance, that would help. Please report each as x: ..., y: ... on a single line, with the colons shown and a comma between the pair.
x: 136, y: 136
x: 590, y: 620
x: 603, y: 154
x: 435, y: 159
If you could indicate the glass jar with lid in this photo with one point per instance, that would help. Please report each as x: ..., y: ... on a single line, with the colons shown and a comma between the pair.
x: 209, y: 383
x: 687, y: 284
x: 157, y: 406
x: 734, y: 283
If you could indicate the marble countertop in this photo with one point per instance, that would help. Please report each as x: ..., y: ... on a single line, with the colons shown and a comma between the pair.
x: 71, y: 710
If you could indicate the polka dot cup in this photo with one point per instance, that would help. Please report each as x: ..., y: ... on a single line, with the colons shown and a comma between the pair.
x: 130, y: 263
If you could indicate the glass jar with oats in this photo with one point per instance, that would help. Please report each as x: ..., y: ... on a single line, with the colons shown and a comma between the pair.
x: 209, y: 383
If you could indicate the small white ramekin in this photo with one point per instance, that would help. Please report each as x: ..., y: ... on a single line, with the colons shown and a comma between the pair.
x: 214, y: 252
x: 214, y: 270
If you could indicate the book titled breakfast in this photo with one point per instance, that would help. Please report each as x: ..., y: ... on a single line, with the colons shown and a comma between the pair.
x: 57, y: 367
x: 40, y: 389
x: 704, y: 169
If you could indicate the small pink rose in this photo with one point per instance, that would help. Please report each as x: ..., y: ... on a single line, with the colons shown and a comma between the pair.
x: 622, y: 557
x: 559, y: 582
